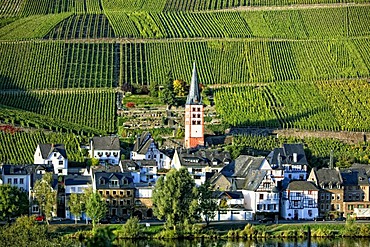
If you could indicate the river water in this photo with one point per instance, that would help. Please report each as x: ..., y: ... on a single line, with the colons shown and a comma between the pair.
x: 348, y: 242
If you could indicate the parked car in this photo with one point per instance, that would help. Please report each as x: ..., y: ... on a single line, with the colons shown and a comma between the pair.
x: 104, y: 221
x: 320, y: 218
x: 266, y: 220
x: 340, y: 219
x: 40, y: 218
x: 55, y: 218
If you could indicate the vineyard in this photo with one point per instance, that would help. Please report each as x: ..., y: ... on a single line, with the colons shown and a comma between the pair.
x: 94, y: 109
x: 83, y: 27
x: 19, y: 147
x: 295, y: 66
x: 41, y: 65
x: 323, y: 105
x: 317, y: 149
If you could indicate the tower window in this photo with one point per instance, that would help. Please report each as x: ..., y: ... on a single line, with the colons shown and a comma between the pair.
x: 198, y: 109
x: 198, y: 122
x: 193, y: 108
x: 194, y: 115
x: 198, y: 115
x: 193, y: 122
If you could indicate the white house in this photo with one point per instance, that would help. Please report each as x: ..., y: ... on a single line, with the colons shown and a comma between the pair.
x: 106, y: 149
x: 17, y: 175
x: 300, y: 201
x: 52, y: 154
x: 201, y: 164
x: 292, y: 159
x: 146, y: 149
x: 259, y: 184
x: 75, y: 184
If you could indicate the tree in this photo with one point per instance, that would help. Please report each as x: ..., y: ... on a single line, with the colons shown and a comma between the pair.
x: 75, y: 205
x: 179, y: 87
x: 96, y: 208
x: 173, y: 197
x: 153, y: 89
x: 167, y: 95
x: 13, y: 201
x: 45, y: 195
x: 207, y: 205
x: 93, y: 162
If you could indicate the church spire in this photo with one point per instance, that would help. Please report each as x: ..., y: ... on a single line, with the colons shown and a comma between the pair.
x: 194, y: 94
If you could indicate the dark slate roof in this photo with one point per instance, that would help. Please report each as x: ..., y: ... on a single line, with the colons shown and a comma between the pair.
x: 35, y: 177
x: 127, y: 164
x: 47, y: 149
x: 301, y: 185
x: 16, y: 170
x: 203, y: 157
x: 326, y: 176
x: 229, y: 169
x: 254, y: 179
x: 147, y: 162
x: 229, y: 194
x: 286, y: 155
x: 106, y: 143
x: 143, y: 142
x: 194, y: 97
x: 354, y: 176
x: 77, y: 180
x: 246, y: 163
x: 106, y: 168
x: 366, y: 167
x: 108, y: 176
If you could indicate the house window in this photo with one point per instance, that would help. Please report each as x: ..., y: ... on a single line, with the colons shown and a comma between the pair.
x: 322, y: 197
x: 101, y: 192
x: 121, y: 193
x: 60, y: 162
x: 60, y: 171
x: 21, y: 181
x: 338, y: 197
x: 73, y: 189
x: 114, y: 183
x: 79, y: 189
x: 124, y: 211
x: 55, y: 154
x: 107, y: 193
x: 261, y: 196
x: 35, y: 208
x: 128, y: 202
x: 338, y: 206
x: 198, y: 122
x: 194, y: 115
x: 121, y: 202
x: 9, y: 181
x: 101, y: 181
x: 193, y: 122
x: 310, y: 213
x: 193, y: 108
x: 125, y: 181
x: 114, y: 192
x: 328, y: 197
x: 161, y: 156
x: 15, y: 180
x: 128, y: 193
x: 198, y: 109
x: 295, y: 203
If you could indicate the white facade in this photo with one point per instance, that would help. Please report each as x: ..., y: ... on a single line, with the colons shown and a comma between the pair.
x: 109, y: 156
x: 55, y: 158
x: 299, y: 205
x: 153, y: 153
x: 20, y: 181
x: 75, y: 189
x: 231, y: 215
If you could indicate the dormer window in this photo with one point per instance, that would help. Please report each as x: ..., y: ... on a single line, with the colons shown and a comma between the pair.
x: 115, y: 154
x: 100, y: 154
x: 55, y: 154
x: 114, y: 183
x: 125, y: 181
x: 102, y: 181
x: 107, y: 154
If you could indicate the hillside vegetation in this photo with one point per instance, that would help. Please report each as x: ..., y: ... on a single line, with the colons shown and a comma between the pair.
x: 271, y: 63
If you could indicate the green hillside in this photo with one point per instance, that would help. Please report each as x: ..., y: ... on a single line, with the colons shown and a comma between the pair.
x: 271, y: 63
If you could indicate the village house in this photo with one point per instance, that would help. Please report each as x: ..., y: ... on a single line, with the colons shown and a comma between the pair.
x: 300, y: 201
x: 331, y: 194
x: 201, y: 164
x: 143, y: 201
x: 118, y: 190
x: 52, y: 154
x: 75, y: 184
x: 146, y: 149
x: 106, y: 149
x: 255, y: 178
x: 231, y: 206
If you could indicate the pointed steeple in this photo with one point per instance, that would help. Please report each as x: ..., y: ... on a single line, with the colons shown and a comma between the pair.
x: 194, y: 94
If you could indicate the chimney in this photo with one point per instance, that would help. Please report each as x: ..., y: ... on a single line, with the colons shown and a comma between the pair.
x: 295, y: 157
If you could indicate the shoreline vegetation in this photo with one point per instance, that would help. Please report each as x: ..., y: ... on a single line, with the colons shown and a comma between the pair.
x: 27, y: 232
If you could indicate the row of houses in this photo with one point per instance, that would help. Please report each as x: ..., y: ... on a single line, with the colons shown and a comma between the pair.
x: 278, y: 185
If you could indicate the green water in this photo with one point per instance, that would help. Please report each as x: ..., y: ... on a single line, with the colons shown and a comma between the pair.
x: 249, y: 243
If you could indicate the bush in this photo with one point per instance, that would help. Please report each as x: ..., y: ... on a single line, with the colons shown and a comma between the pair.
x: 167, y: 234
x: 131, y: 229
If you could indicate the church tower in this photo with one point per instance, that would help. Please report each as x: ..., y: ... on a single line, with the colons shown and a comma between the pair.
x: 194, y: 120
